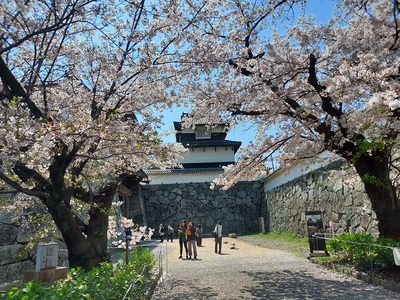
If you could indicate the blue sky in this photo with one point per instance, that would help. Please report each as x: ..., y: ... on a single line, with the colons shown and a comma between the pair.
x: 322, y: 9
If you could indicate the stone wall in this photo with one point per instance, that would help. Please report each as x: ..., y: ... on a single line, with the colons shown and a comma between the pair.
x: 13, y: 239
x: 19, y: 236
x: 238, y: 208
x: 335, y: 190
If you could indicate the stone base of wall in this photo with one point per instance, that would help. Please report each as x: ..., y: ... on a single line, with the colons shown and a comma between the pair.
x: 238, y: 208
x: 47, y: 275
x: 336, y: 191
x: 14, y: 271
x: 13, y: 239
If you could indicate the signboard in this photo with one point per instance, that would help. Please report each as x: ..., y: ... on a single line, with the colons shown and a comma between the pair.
x: 47, y: 256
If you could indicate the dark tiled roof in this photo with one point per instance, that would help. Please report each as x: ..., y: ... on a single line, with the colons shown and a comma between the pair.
x: 212, y: 143
x: 205, y: 120
x: 178, y: 126
x: 207, y: 164
x: 183, y: 171
x: 192, y: 136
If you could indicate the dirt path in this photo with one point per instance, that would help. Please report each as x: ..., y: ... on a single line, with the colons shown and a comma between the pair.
x: 249, y: 271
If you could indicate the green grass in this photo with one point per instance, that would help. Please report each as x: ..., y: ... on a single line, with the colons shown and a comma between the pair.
x: 287, y: 241
x: 288, y: 237
x: 297, y: 246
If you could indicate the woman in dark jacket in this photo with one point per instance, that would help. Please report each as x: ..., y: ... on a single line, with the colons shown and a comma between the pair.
x: 182, y: 238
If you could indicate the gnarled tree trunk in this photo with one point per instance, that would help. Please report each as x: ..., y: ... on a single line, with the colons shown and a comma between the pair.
x: 373, y: 170
x: 86, y: 242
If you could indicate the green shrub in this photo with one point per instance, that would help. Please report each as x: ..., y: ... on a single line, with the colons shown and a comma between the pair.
x: 103, y: 282
x: 385, y: 255
x: 31, y: 290
x: 361, y: 248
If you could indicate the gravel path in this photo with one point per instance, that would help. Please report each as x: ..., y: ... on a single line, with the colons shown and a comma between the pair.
x: 252, y: 271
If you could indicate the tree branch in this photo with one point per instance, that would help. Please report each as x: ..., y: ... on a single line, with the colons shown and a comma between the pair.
x: 326, y: 100
x: 19, y: 188
x: 16, y: 90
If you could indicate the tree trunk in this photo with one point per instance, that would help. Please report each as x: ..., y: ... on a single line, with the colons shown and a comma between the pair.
x: 373, y: 170
x: 87, y: 245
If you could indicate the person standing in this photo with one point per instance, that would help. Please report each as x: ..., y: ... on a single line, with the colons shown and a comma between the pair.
x: 218, y: 237
x: 199, y: 237
x: 191, y: 240
x: 161, y: 232
x: 170, y: 233
x: 182, y: 238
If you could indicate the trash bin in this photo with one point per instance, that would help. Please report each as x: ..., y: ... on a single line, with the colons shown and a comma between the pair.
x: 316, y: 233
x: 317, y: 242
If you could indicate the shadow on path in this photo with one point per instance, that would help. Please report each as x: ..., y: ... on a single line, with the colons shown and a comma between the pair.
x: 300, y: 285
x: 192, y: 290
x: 252, y: 272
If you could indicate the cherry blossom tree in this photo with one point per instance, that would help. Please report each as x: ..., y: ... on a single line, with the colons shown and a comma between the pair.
x: 80, y: 81
x: 309, y: 87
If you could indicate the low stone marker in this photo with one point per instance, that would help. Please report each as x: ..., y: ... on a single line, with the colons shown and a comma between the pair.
x: 46, y: 265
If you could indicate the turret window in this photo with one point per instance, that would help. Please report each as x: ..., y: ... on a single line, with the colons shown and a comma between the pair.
x: 203, y: 134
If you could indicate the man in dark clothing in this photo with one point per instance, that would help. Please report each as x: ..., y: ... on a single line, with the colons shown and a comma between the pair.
x: 161, y: 233
x: 191, y: 239
x: 199, y: 235
x: 218, y: 237
x: 170, y: 233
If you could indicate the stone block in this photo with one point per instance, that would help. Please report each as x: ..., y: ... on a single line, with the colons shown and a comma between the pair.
x: 14, y: 271
x: 388, y: 284
x: 8, y: 234
x: 46, y: 275
x: 11, y: 254
x: 366, y: 278
x: 25, y: 233
x: 7, y: 215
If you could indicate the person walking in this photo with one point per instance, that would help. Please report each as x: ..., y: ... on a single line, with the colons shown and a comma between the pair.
x: 218, y: 237
x: 191, y: 240
x: 170, y: 233
x: 161, y: 232
x: 182, y: 238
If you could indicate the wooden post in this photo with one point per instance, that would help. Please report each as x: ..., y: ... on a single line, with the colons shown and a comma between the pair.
x: 128, y: 238
x: 127, y: 251
x: 262, y: 224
